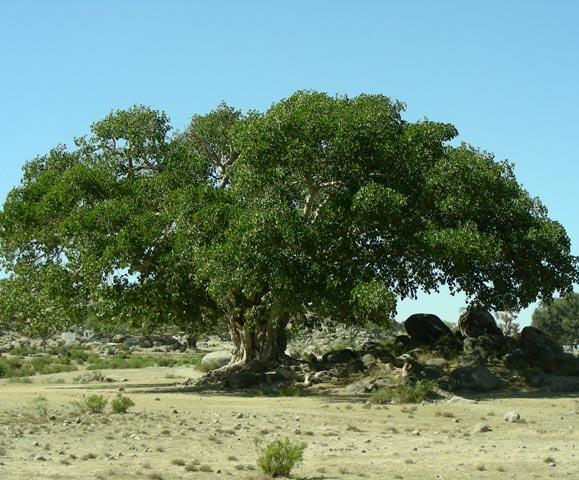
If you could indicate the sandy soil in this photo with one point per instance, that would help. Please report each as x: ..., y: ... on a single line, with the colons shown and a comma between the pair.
x: 164, y: 433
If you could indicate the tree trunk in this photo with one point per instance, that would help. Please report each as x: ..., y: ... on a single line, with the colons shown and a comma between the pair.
x: 264, y: 342
x: 191, y: 340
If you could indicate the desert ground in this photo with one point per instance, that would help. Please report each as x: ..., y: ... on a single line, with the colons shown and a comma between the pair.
x: 211, y: 435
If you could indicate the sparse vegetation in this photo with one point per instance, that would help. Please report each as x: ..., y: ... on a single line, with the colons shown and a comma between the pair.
x: 420, y: 391
x: 121, y: 404
x: 91, y: 404
x: 18, y: 366
x: 279, y: 457
x: 40, y: 405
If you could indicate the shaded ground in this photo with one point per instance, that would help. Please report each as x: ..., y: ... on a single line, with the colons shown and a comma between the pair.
x: 177, y: 436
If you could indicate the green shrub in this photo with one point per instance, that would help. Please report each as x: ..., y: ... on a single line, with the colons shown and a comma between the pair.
x: 93, y: 404
x: 405, y: 393
x: 4, y: 370
x: 128, y: 360
x: 121, y: 404
x: 20, y: 380
x: 278, y: 458
x: 40, y: 405
x: 292, y: 391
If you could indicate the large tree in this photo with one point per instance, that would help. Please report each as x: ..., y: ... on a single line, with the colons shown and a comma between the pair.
x: 559, y: 318
x: 320, y: 207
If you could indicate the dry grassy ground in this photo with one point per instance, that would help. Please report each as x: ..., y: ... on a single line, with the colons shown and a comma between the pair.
x: 210, y: 436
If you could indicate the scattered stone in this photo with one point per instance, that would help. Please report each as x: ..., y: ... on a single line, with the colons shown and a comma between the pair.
x: 368, y: 360
x: 512, y: 417
x: 482, y: 428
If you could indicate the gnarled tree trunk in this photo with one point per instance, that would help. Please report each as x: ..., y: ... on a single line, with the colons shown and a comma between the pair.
x: 264, y: 342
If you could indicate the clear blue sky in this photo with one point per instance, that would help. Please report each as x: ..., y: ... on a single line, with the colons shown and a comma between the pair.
x: 505, y: 73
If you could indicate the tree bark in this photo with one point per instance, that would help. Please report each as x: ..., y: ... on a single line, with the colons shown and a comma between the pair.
x: 264, y: 342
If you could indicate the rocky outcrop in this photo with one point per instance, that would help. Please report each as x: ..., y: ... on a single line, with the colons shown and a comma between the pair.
x: 426, y: 328
x: 477, y: 379
x: 477, y: 321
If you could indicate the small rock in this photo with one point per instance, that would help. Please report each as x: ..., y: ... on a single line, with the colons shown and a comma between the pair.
x: 482, y: 428
x: 369, y: 360
x: 512, y: 417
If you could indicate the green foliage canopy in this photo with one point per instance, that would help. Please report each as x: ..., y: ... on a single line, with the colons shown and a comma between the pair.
x: 328, y: 205
x: 559, y: 319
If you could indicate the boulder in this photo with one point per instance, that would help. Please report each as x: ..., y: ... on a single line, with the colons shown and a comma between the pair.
x: 359, y: 388
x: 340, y: 356
x: 402, y: 341
x: 145, y: 343
x: 214, y: 360
x: 324, y: 376
x: 377, y: 350
x: 540, y: 350
x: 368, y: 360
x: 477, y: 378
x: 426, y: 328
x: 516, y: 360
x: 471, y: 359
x: 555, y: 383
x: 437, y: 361
x: 240, y: 380
x: 477, y: 321
x: 274, y: 377
x: 431, y: 372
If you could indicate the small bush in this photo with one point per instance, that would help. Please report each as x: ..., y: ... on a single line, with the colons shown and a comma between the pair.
x: 4, y: 370
x: 406, y: 393
x: 292, y: 391
x: 91, y: 404
x: 40, y: 405
x: 121, y: 404
x: 278, y: 458
x: 20, y: 380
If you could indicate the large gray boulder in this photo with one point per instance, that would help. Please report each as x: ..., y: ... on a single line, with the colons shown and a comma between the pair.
x: 477, y: 379
x: 477, y: 321
x: 555, y: 383
x: 540, y: 350
x: 215, y: 360
x: 426, y: 328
